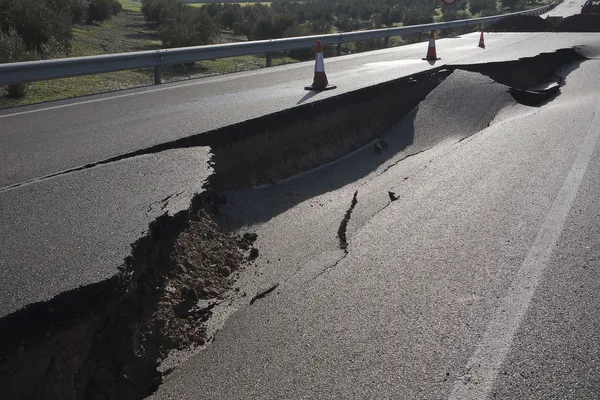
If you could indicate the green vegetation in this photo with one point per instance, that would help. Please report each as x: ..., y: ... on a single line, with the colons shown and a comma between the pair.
x: 131, y: 5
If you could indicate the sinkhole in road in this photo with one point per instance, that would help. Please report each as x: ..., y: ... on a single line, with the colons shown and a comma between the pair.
x: 107, y: 340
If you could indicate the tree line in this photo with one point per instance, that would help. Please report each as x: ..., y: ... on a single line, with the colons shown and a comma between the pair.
x: 181, y: 25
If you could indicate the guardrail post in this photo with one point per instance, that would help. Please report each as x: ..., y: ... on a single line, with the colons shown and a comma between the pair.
x: 339, y: 49
x: 386, y: 41
x: 157, y: 80
x: 269, y: 59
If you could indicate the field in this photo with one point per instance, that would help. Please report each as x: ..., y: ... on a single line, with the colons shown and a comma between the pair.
x: 131, y: 5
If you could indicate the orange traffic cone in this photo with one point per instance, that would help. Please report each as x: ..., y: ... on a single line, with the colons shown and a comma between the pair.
x: 431, y: 54
x: 320, y: 81
x: 481, y: 42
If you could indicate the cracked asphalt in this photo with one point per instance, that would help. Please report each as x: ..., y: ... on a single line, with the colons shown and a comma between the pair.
x: 75, y: 228
x: 413, y: 302
x: 566, y: 8
x: 401, y: 312
x: 67, y: 134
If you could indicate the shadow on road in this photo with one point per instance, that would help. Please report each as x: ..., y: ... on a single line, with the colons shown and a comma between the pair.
x: 307, y: 96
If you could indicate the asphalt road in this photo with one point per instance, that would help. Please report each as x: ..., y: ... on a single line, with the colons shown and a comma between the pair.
x: 402, y: 313
x: 74, y: 229
x: 566, y: 8
x: 478, y: 281
x: 45, y: 139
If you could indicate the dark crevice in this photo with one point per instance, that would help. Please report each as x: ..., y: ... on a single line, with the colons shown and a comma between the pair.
x: 106, y: 340
x: 286, y: 122
x: 164, y: 202
x: 330, y: 267
x: 387, y: 168
x: 526, y: 72
x: 264, y: 294
x: 344, y: 224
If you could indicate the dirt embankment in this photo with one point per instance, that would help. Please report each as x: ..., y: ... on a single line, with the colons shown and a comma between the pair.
x: 107, y: 340
x: 531, y: 23
x: 579, y: 23
x: 520, y: 23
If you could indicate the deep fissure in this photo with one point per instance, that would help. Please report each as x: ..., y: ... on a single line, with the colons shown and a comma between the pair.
x: 106, y: 340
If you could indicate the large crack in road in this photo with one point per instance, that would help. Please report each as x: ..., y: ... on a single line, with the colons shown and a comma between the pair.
x: 108, y: 339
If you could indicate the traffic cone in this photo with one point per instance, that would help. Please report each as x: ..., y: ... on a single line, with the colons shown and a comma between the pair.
x: 481, y: 42
x: 431, y: 54
x: 320, y: 81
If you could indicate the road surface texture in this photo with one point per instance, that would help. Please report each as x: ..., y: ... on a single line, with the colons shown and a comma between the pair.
x: 75, y: 229
x: 460, y: 264
x: 61, y: 233
x: 68, y: 134
x: 565, y: 9
x: 471, y: 269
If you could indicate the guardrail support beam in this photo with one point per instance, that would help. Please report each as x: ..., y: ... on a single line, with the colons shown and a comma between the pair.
x: 386, y: 41
x: 339, y: 49
x: 157, y: 80
x: 269, y: 59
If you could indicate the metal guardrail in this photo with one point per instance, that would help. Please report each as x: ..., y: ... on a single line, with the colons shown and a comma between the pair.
x: 31, y: 71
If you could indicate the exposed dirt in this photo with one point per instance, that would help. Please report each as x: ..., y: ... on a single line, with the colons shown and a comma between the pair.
x: 106, y: 340
x: 579, y: 23
x: 266, y: 150
x: 520, y: 23
x: 531, y: 23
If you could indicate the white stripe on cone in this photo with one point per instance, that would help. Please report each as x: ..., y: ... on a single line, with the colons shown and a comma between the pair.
x: 431, y: 53
x: 320, y: 81
x: 319, y: 63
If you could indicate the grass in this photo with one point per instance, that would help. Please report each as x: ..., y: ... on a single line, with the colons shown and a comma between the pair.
x: 79, y: 86
x: 125, y: 33
x: 131, y: 5
x: 236, y: 64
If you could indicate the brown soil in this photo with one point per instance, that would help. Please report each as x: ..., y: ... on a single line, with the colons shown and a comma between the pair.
x: 579, y: 23
x: 109, y: 345
x: 520, y: 23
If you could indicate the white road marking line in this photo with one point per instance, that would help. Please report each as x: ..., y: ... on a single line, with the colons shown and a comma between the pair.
x: 118, y: 96
x: 484, y: 365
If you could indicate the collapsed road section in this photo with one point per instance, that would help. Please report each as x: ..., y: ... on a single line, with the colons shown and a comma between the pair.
x: 108, y: 339
x: 531, y: 23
